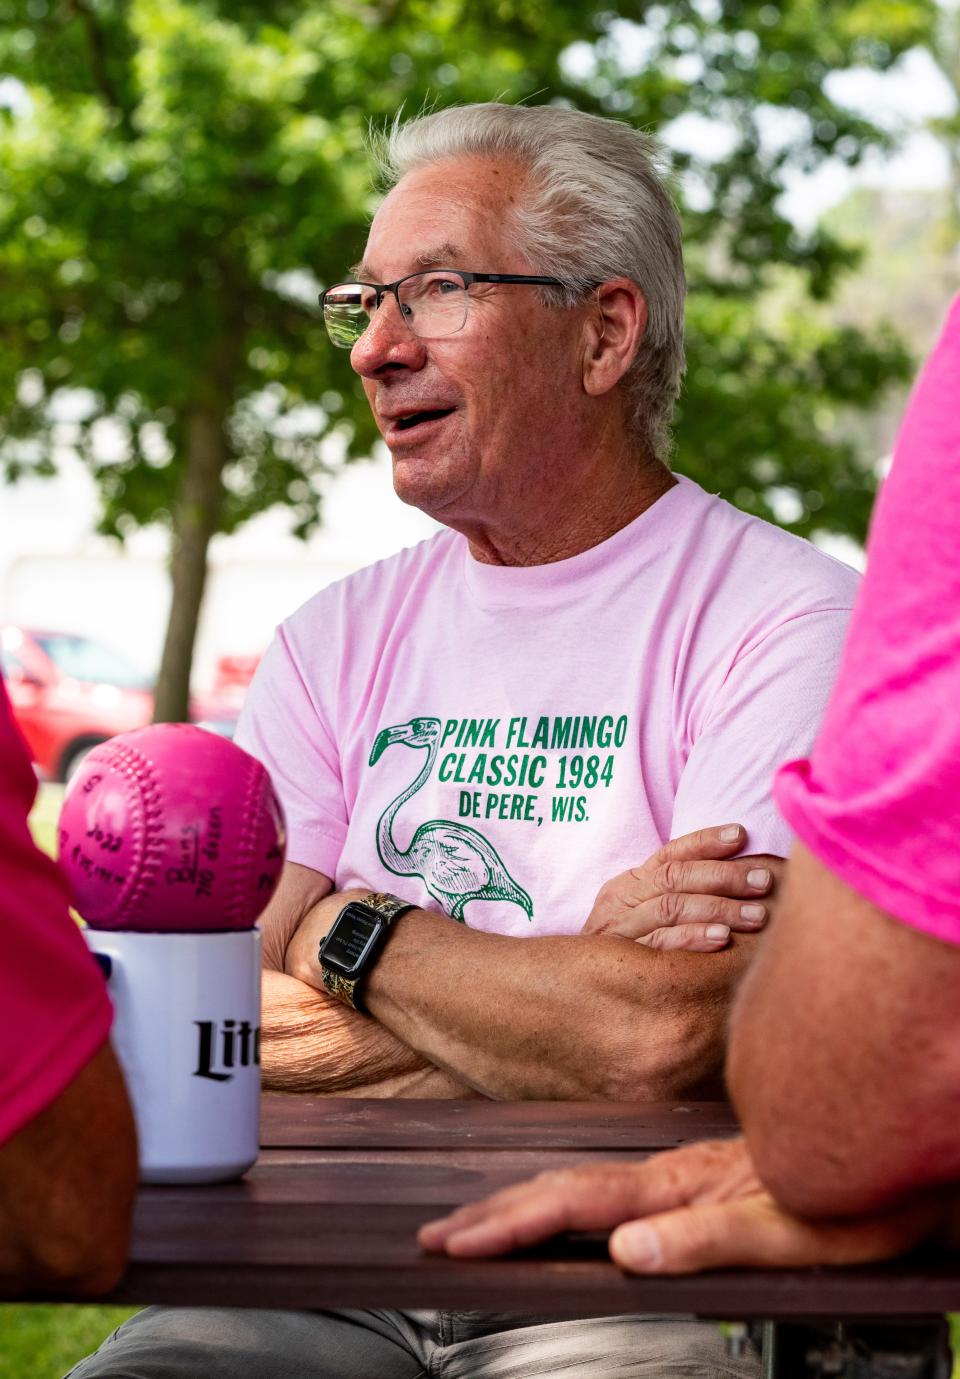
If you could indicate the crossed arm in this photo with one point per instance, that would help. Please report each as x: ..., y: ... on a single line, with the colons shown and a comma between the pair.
x: 845, y: 1068
x: 459, y: 1012
x: 313, y: 1043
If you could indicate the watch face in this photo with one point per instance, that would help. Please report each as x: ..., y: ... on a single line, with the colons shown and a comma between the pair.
x: 354, y: 933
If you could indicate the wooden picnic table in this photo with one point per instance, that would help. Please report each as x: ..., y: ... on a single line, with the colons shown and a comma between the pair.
x: 327, y: 1218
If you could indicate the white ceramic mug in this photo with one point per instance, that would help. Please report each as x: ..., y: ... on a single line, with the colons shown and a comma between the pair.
x: 187, y: 1034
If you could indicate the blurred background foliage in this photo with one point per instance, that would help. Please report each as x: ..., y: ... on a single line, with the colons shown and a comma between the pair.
x: 178, y: 178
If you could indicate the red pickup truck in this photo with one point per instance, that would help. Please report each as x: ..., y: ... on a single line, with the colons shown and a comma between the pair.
x: 70, y: 692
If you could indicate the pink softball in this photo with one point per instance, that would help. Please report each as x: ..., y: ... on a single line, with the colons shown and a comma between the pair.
x: 171, y: 828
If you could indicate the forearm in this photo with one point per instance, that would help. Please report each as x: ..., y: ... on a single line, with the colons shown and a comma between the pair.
x: 67, y: 1183
x: 585, y: 1017
x: 839, y: 1042
x: 313, y: 1043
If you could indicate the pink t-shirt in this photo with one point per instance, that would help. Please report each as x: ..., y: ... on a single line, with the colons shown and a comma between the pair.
x: 497, y: 742
x: 879, y: 801
x: 54, y: 1010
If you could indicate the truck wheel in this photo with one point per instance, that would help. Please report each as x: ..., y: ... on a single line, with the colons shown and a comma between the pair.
x: 74, y: 754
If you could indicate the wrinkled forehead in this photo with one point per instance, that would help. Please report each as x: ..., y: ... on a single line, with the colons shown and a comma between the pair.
x: 455, y: 214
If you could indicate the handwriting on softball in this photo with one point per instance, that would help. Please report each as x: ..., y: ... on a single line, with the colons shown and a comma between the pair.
x: 198, y: 850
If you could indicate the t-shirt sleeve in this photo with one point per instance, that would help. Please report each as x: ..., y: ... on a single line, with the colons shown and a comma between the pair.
x: 54, y: 1010
x: 878, y: 802
x: 769, y: 708
x: 285, y: 727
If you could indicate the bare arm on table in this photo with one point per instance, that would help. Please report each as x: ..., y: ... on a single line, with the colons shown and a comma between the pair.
x: 850, y: 1096
x: 67, y: 1182
x: 588, y: 1016
x: 845, y: 1068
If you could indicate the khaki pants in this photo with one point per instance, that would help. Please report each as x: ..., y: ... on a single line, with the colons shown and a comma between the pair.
x: 220, y: 1343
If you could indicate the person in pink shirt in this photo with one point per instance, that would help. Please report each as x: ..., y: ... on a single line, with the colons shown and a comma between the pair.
x: 68, y: 1165
x: 844, y: 1060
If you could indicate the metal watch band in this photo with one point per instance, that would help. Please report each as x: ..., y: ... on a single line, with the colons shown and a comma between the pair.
x: 389, y: 907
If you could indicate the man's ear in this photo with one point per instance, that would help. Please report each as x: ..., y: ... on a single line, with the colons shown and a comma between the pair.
x: 615, y: 324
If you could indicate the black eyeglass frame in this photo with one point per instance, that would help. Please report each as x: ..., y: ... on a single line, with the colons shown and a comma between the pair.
x: 381, y: 289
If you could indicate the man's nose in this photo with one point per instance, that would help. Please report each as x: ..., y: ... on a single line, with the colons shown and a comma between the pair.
x: 387, y: 342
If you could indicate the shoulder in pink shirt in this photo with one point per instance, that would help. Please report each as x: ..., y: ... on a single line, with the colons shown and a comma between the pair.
x: 54, y: 1010
x: 879, y: 799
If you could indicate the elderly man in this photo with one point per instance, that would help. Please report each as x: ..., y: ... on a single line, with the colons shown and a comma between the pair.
x: 844, y: 1059
x: 478, y: 741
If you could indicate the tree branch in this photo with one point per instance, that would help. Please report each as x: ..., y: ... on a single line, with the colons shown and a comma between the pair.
x: 96, y: 45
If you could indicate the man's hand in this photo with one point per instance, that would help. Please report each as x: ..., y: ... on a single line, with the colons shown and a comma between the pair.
x: 701, y: 1207
x: 691, y: 894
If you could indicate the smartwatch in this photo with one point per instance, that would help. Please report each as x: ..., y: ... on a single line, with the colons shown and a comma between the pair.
x: 354, y: 943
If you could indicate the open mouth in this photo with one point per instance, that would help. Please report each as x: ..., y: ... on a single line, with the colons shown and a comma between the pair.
x: 417, y: 418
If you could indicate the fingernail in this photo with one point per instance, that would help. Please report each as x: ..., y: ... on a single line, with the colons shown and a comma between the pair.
x: 730, y: 834
x: 758, y: 878
x: 752, y: 912
x: 717, y: 931
x: 638, y: 1246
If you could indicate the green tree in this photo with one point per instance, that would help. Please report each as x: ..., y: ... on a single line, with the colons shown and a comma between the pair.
x: 183, y: 174
x: 909, y: 271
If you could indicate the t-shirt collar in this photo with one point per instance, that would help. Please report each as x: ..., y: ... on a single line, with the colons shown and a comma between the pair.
x: 561, y: 580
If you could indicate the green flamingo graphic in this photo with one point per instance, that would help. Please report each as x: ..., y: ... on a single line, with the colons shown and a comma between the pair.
x: 457, y: 864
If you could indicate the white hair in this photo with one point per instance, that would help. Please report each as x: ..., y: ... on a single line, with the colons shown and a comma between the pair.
x: 598, y: 208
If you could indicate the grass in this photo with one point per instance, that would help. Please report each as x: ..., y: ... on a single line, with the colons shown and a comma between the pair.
x: 40, y: 1342
x: 45, y: 1341
x: 43, y: 820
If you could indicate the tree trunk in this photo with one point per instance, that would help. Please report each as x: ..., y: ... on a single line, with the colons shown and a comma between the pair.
x: 196, y: 519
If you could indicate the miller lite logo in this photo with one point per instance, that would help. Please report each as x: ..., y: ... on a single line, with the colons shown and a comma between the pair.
x: 222, y: 1047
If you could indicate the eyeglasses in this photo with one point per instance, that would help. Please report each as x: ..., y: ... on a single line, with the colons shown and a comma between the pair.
x: 433, y: 304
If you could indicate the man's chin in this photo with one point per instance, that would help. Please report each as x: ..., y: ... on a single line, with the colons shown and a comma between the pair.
x: 423, y: 484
